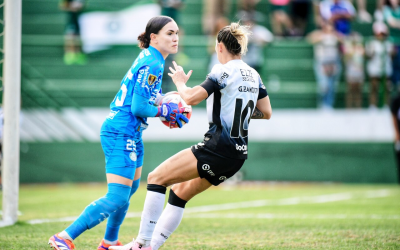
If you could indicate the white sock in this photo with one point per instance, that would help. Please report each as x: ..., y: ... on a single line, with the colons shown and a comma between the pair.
x: 167, y: 224
x: 65, y: 236
x: 112, y: 243
x: 153, y: 207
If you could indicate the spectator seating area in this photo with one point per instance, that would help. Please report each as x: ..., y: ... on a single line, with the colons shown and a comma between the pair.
x: 48, y: 82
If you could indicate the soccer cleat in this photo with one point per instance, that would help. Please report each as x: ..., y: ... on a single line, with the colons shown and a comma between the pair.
x: 104, y: 246
x: 58, y: 243
x: 130, y: 246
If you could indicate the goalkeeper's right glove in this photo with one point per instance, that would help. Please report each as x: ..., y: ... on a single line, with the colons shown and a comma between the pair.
x: 172, y: 113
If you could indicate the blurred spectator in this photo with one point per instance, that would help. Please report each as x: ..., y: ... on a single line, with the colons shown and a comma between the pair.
x: 72, y: 42
x: 338, y: 12
x: 259, y: 37
x: 281, y: 23
x: 353, y: 51
x: 212, y: 11
x: 171, y: 8
x: 362, y: 13
x: 391, y: 12
x: 379, y: 51
x: 248, y: 5
x: 395, y: 110
x: 221, y: 22
x: 326, y: 63
x: 300, y: 12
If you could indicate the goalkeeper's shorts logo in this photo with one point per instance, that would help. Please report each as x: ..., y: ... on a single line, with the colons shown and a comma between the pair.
x: 133, y: 156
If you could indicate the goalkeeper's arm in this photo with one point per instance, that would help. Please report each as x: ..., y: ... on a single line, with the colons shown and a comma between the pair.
x: 142, y: 108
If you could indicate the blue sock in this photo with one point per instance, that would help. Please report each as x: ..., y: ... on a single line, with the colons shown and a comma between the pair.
x: 115, y: 220
x: 99, y: 210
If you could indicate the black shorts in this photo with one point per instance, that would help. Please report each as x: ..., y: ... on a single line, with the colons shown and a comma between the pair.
x: 215, y: 168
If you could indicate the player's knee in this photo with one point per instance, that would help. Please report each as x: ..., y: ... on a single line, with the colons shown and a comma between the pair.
x: 155, y: 178
x: 118, y: 194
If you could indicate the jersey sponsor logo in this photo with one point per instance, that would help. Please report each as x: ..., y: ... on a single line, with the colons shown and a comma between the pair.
x: 241, y: 148
x: 247, y: 89
x: 147, y: 52
x: 221, y: 80
x: 151, y: 79
x: 247, y: 75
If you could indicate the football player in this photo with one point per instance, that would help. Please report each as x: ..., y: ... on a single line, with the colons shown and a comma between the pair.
x: 121, y: 134
x: 235, y: 94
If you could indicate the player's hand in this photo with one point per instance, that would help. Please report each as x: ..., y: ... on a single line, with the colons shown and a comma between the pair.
x: 180, y: 117
x: 178, y: 74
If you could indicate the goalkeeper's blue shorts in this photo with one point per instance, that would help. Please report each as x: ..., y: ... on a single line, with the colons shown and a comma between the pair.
x: 123, y: 153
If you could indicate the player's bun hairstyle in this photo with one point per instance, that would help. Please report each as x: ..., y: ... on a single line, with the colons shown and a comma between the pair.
x: 235, y: 38
x: 154, y: 25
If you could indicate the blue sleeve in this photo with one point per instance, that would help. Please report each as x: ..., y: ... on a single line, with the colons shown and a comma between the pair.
x: 146, y: 79
x: 141, y: 107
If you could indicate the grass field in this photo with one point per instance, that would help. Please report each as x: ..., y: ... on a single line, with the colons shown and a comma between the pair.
x: 246, y: 216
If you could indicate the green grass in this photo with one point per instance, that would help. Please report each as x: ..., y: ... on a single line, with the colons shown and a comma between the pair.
x: 360, y: 222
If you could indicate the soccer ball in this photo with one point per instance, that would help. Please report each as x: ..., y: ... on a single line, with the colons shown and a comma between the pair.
x: 174, y: 97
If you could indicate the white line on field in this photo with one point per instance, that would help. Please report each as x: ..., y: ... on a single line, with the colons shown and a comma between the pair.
x: 294, y: 216
x: 257, y: 203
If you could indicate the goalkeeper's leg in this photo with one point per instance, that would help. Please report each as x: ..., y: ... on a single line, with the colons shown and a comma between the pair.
x: 115, y: 220
x: 94, y: 213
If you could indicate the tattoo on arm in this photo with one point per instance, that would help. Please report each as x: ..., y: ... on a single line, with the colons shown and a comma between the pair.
x: 257, y: 114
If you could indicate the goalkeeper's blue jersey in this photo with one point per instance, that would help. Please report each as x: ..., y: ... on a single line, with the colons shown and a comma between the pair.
x: 143, y: 78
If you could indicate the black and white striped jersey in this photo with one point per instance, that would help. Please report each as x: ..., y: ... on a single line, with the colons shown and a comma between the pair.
x: 233, y: 90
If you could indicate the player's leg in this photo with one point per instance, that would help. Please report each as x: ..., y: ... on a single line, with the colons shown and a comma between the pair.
x: 116, y: 219
x: 213, y: 170
x: 178, y: 168
x: 119, y: 182
x: 172, y: 215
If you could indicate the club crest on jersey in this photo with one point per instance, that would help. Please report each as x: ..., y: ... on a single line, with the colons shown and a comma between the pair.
x: 133, y: 156
x: 151, y: 79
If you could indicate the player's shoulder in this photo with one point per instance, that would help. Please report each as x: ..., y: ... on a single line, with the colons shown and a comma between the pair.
x: 219, y: 74
x: 147, y: 58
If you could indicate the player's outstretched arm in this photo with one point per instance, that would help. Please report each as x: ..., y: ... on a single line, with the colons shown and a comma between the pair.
x: 263, y: 109
x: 192, y: 96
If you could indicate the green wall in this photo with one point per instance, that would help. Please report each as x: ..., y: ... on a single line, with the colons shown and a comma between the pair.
x: 338, y: 162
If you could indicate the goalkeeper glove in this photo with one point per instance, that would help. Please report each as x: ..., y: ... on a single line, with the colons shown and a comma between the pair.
x: 172, y: 113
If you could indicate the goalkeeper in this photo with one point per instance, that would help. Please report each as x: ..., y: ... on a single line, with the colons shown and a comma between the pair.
x: 121, y: 134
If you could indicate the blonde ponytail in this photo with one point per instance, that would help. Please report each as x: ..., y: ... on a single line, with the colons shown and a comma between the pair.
x: 235, y: 38
x: 241, y: 34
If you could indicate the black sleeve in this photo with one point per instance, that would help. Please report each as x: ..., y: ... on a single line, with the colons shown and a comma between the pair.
x: 210, y: 86
x: 394, y: 106
x: 262, y: 93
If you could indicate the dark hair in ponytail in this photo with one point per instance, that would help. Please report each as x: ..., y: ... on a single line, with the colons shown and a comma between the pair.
x: 154, y: 25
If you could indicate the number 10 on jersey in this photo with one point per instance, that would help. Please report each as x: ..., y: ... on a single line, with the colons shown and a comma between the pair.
x: 238, y: 125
